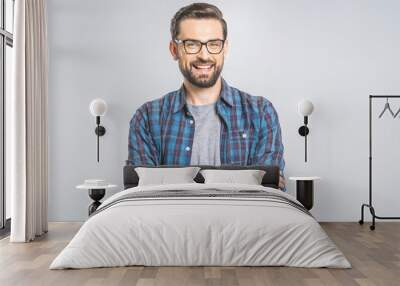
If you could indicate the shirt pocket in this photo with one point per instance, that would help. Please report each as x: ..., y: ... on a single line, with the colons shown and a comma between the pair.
x: 240, y: 142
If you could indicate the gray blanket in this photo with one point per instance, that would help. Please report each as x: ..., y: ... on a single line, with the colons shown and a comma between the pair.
x: 206, y: 194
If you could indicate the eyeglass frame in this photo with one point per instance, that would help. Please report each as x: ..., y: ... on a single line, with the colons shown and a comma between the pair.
x: 178, y: 41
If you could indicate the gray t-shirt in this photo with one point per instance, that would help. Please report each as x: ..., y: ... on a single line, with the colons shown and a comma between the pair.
x: 206, y: 141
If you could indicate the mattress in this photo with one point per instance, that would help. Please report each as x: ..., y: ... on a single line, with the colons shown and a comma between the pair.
x: 201, y: 225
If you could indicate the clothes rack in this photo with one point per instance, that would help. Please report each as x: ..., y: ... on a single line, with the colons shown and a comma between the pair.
x: 370, y: 205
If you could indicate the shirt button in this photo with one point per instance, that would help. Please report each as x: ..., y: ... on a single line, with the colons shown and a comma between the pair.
x: 191, y: 121
x: 244, y: 135
x: 187, y: 148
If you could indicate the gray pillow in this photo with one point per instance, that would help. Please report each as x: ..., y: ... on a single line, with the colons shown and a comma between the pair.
x: 250, y: 177
x: 161, y: 176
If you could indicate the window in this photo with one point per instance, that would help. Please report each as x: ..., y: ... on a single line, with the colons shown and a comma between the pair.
x: 6, y: 61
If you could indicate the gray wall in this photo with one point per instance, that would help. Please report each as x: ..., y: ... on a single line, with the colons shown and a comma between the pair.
x: 334, y: 53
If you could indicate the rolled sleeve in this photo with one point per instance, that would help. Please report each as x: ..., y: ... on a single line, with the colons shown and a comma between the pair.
x: 270, y: 148
x: 141, y: 148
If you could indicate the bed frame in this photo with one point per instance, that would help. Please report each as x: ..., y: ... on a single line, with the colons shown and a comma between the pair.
x: 270, y: 179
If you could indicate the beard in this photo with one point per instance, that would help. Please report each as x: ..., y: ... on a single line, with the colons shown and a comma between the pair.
x: 202, y: 80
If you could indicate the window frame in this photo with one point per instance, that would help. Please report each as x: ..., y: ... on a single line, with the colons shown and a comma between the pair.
x: 6, y: 39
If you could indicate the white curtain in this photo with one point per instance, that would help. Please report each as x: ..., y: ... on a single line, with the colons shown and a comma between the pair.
x: 28, y: 122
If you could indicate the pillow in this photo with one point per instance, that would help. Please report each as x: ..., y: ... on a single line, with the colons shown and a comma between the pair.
x: 162, y: 176
x: 250, y: 177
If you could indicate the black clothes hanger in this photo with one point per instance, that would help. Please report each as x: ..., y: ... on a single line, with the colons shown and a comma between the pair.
x: 387, y: 107
x: 398, y: 111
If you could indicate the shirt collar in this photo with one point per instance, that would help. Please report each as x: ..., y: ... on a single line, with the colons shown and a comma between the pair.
x: 180, y: 98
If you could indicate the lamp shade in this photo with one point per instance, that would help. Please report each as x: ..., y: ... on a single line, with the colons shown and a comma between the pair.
x: 305, y: 107
x: 98, y: 107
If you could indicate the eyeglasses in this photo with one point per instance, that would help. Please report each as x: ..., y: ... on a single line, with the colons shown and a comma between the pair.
x: 194, y: 46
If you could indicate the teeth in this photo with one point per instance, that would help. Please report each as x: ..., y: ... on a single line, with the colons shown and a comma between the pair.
x: 203, y: 67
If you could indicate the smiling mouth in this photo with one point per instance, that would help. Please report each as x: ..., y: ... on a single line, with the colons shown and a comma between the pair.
x: 203, y: 67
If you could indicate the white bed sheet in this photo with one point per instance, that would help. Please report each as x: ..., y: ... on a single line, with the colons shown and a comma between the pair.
x: 200, y: 231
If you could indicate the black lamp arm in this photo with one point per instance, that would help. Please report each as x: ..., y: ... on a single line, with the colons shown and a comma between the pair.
x: 303, y: 131
x: 100, y: 131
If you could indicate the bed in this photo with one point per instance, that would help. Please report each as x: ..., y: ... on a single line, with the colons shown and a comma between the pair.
x: 201, y: 224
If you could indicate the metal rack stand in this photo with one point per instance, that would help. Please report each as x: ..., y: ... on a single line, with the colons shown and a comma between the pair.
x: 369, y: 205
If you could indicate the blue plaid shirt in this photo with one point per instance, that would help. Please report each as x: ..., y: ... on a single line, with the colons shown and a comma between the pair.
x: 161, y: 131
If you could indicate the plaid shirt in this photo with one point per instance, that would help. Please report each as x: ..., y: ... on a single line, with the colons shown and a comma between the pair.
x: 161, y: 131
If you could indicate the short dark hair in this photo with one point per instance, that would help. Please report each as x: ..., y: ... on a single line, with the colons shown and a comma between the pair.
x: 197, y: 11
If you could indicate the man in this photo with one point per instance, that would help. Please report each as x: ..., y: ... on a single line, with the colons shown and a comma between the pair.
x: 206, y: 121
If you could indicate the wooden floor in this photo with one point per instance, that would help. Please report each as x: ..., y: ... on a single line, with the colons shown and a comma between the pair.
x: 374, y: 255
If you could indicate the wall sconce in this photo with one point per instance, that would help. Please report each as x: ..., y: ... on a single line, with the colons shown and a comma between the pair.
x: 305, y: 108
x: 98, y: 107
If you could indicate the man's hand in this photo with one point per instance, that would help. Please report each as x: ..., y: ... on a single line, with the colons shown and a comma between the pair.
x: 281, y: 183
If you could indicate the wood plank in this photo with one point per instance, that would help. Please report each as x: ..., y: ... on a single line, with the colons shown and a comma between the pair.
x: 374, y: 255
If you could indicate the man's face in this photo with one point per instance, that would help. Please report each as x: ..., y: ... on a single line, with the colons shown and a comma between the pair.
x: 202, y: 69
